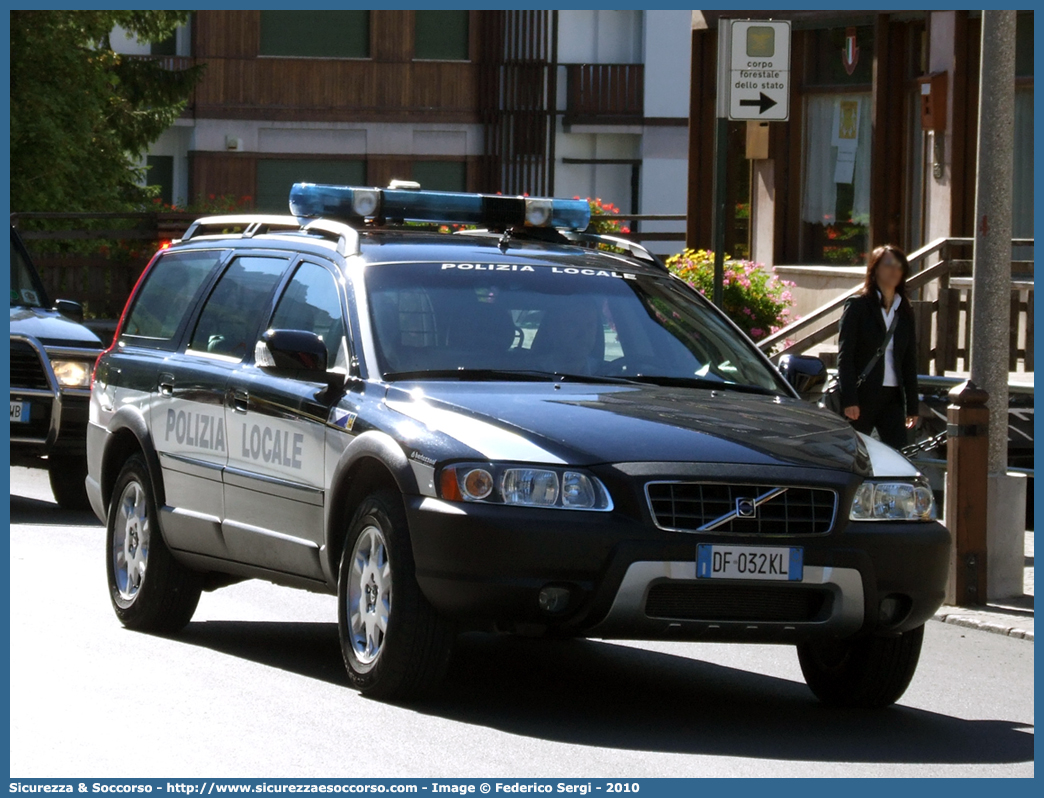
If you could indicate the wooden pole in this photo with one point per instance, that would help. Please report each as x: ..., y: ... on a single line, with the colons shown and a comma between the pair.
x: 967, y: 441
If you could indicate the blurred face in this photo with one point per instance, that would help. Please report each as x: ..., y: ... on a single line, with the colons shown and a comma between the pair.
x: 889, y: 272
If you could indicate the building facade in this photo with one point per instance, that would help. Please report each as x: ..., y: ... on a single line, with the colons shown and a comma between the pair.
x: 902, y: 90
x: 588, y: 103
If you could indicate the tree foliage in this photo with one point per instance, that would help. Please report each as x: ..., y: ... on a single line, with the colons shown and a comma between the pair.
x: 82, y: 115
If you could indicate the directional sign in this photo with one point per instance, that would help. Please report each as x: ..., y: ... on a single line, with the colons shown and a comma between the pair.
x: 759, y: 80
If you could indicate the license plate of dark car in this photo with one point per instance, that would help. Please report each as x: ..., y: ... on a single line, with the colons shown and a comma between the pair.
x: 20, y: 412
x: 773, y: 563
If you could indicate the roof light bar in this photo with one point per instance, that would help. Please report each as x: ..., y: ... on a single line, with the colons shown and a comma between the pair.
x: 439, y: 207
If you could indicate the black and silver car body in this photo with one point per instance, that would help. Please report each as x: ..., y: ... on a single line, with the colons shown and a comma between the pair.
x: 51, y: 360
x: 339, y: 410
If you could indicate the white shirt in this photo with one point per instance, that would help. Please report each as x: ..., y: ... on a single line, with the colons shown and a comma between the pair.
x: 891, y: 379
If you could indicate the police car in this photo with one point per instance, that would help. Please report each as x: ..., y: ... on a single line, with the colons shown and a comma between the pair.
x: 522, y: 428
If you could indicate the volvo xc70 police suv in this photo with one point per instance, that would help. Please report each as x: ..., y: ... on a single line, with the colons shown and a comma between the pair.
x: 524, y: 428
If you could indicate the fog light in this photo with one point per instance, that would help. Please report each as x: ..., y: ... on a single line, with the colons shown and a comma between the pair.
x: 553, y: 599
x: 891, y: 610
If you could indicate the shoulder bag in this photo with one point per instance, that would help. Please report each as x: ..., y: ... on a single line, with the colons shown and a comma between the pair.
x: 831, y: 398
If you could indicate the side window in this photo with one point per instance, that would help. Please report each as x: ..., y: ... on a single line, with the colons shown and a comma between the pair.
x: 236, y: 307
x: 26, y: 288
x: 167, y: 294
x: 441, y: 35
x: 315, y: 34
x: 312, y: 303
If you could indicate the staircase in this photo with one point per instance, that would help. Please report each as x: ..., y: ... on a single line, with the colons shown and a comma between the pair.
x: 940, y: 290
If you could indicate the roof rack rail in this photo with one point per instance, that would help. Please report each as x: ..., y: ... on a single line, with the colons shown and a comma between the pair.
x: 252, y: 224
x: 633, y: 247
x: 256, y: 224
x: 347, y: 236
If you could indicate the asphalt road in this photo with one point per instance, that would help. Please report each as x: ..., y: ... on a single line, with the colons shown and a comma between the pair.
x: 255, y: 687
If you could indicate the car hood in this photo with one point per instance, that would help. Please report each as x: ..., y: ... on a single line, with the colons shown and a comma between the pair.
x: 51, y: 328
x: 588, y: 424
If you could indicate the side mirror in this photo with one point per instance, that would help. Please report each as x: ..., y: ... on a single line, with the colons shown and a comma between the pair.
x: 69, y: 309
x: 803, y: 372
x: 292, y: 350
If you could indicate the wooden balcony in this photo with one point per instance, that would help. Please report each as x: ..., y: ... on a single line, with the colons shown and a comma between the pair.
x: 604, y: 94
x: 172, y: 63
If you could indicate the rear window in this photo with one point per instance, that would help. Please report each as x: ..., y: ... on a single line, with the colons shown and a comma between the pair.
x: 167, y: 294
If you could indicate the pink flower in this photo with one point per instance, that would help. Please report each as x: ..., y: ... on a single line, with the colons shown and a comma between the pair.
x: 757, y: 332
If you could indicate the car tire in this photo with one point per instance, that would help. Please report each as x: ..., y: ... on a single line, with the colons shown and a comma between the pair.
x: 68, y: 474
x: 395, y: 645
x: 868, y: 672
x: 150, y: 591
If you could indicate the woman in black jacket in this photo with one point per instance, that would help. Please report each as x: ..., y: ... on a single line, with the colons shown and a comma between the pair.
x: 887, y: 398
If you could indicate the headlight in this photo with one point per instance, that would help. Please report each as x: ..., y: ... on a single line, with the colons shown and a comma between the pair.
x: 533, y: 486
x: 578, y: 490
x: 893, y: 500
x: 72, y: 373
x: 528, y: 486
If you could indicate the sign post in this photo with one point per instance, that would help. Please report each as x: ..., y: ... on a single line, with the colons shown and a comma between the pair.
x: 721, y: 149
x: 753, y: 83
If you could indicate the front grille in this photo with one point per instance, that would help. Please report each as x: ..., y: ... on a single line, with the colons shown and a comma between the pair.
x: 693, y: 506
x: 26, y: 369
x: 691, y: 601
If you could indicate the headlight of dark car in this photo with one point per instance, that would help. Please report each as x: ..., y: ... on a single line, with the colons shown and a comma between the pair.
x: 893, y: 500
x: 524, y: 485
x: 72, y: 373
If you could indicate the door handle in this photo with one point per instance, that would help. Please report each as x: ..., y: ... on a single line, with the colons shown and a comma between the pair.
x: 166, y: 384
x: 240, y: 401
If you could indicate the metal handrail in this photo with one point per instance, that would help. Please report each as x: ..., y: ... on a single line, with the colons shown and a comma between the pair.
x: 922, y: 278
x: 767, y: 344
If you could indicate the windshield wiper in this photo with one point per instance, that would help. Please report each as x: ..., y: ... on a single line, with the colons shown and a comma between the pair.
x: 528, y: 375
x: 702, y: 382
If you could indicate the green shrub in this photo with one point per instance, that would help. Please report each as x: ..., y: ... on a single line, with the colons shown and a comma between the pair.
x: 756, y: 299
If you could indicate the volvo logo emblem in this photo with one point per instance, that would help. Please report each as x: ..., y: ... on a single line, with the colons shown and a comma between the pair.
x: 746, y: 508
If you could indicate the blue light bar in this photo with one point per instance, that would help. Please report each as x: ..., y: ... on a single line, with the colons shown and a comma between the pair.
x: 439, y: 207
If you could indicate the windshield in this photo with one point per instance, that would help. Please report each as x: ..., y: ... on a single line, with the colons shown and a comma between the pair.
x: 439, y: 318
x: 26, y: 289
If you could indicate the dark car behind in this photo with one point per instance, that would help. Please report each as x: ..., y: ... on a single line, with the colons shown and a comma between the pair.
x: 51, y: 360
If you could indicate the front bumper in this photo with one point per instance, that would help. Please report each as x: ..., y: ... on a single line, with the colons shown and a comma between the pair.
x: 57, y: 420
x: 628, y: 579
